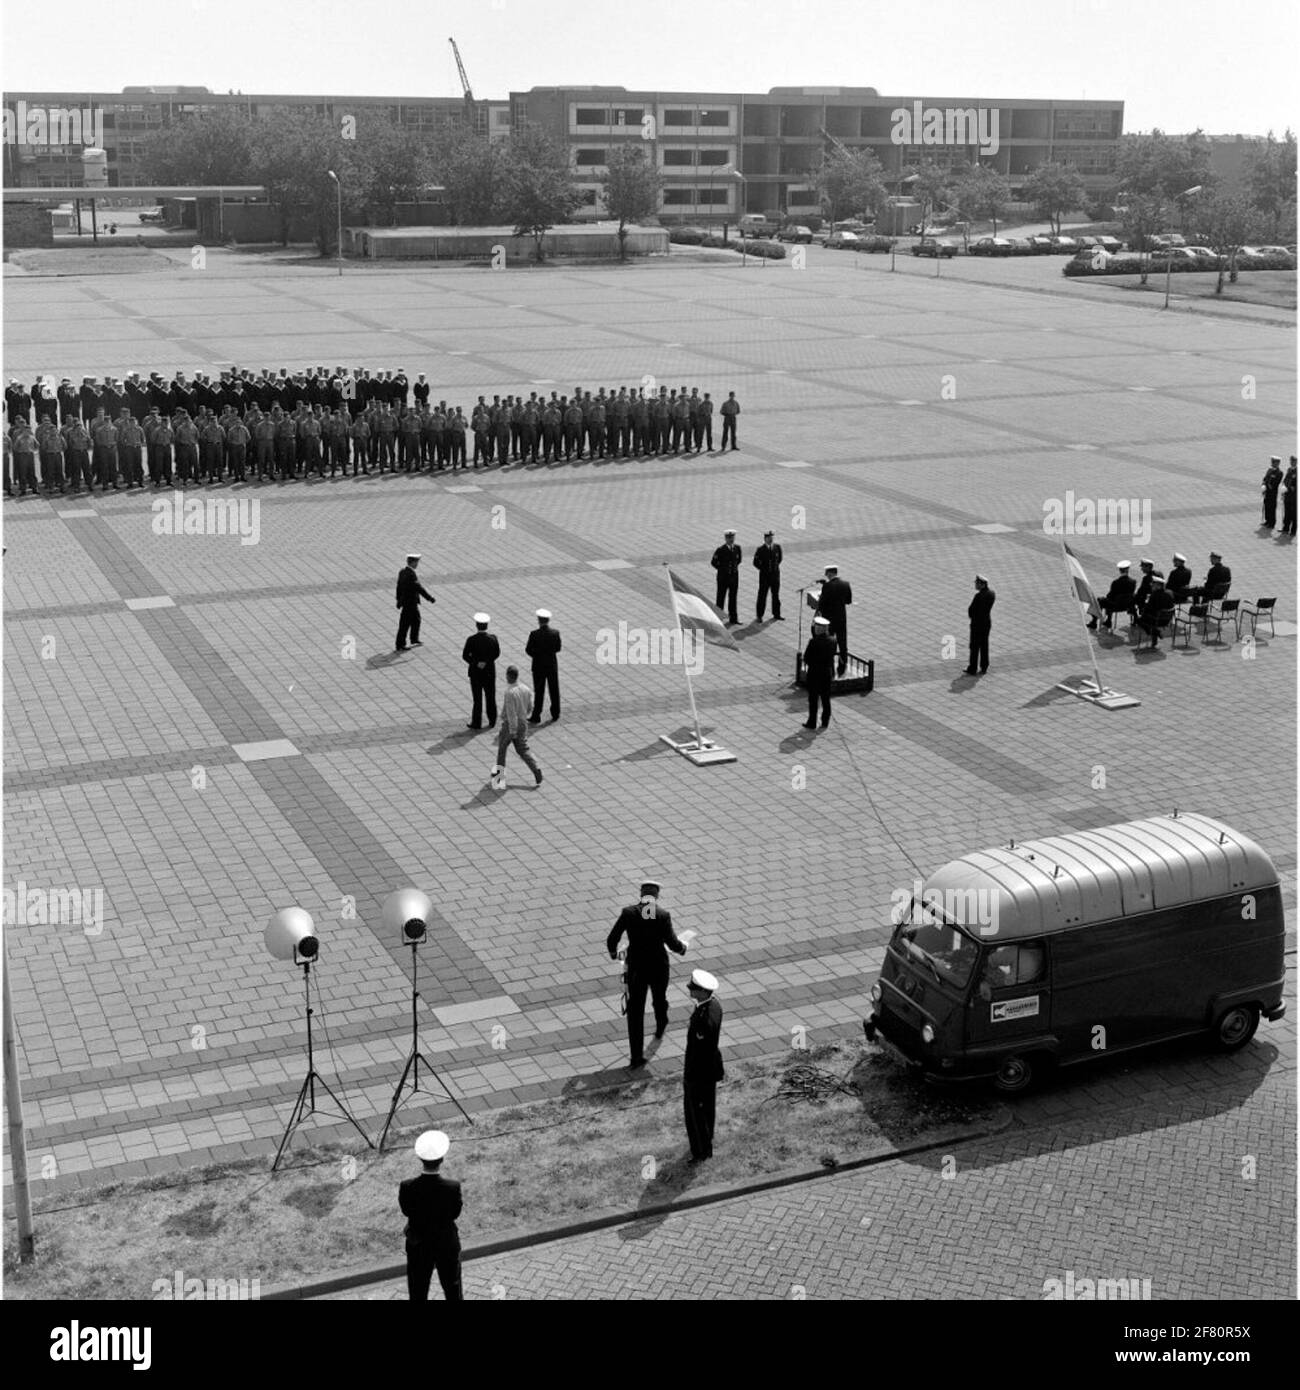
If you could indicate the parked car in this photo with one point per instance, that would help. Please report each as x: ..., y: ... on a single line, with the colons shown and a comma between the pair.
x: 1174, y: 253
x: 1024, y: 245
x: 1109, y: 243
x: 1276, y: 250
x: 1064, y: 245
x: 760, y: 224
x: 1166, y: 239
x: 1204, y: 253
x: 875, y: 243
x: 990, y: 246
x: 841, y: 241
x: 938, y: 247
x: 794, y: 231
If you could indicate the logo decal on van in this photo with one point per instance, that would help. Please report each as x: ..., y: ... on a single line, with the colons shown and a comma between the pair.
x: 1013, y: 1008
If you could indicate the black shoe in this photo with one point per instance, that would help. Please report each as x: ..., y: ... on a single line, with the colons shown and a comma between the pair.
x: 984, y: 670
x: 537, y: 776
x: 555, y: 716
x: 811, y: 724
x: 534, y: 718
x: 473, y: 726
x: 415, y: 642
x: 970, y: 671
x: 659, y: 1032
x: 1092, y: 626
x: 825, y: 722
x: 777, y: 618
x: 399, y: 649
x: 636, y: 1062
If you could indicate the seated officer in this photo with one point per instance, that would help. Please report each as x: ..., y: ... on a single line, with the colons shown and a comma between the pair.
x: 1218, y: 580
x: 1119, y: 597
x: 1179, y: 579
x: 1159, y: 610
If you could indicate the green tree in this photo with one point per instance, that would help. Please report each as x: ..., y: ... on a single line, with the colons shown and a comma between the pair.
x: 539, y: 187
x: 1271, y: 184
x: 933, y: 185
x: 394, y: 165
x: 292, y: 155
x: 1225, y: 222
x: 1142, y: 215
x: 981, y: 195
x: 1157, y: 163
x: 630, y: 188
x: 849, y: 181
x: 474, y: 174
x: 201, y: 149
x: 1055, y: 189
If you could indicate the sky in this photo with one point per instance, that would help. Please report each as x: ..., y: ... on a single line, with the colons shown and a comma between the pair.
x: 1178, y: 66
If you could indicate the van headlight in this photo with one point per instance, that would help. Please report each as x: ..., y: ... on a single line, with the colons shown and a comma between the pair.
x: 927, y: 1034
x: 874, y: 993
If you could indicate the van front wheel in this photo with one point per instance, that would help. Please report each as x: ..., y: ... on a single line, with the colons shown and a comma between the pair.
x: 1014, y: 1075
x: 1236, y: 1027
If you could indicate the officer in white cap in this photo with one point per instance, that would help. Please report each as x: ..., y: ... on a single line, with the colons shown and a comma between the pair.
x: 1179, y: 578
x: 1272, y: 481
x: 650, y: 936
x: 833, y: 602
x: 543, y: 650
x: 431, y: 1204
x: 726, y: 560
x: 409, y: 593
x: 480, y: 656
x: 767, y: 561
x: 702, y: 1068
x: 819, y: 670
x: 1148, y: 568
x: 979, y: 611
x: 1119, y: 597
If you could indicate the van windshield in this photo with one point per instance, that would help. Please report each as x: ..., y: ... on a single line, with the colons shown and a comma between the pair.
x: 948, y: 949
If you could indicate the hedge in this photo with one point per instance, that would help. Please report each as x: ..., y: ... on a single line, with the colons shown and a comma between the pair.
x: 772, y: 250
x: 1132, y: 265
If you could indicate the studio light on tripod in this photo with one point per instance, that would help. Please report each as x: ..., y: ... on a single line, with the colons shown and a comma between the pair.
x: 406, y: 912
x: 291, y: 935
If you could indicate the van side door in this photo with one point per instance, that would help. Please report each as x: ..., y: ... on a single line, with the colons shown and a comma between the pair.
x: 1010, y: 999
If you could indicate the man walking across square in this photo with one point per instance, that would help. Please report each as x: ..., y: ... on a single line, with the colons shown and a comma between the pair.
x: 514, y: 724
x: 409, y: 593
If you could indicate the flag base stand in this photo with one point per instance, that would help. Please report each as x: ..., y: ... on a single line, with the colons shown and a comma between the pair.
x: 1104, y: 697
x: 700, y: 751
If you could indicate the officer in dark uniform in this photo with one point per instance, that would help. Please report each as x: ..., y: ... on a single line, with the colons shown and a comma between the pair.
x: 1118, y: 598
x: 1158, y: 610
x: 836, y: 595
x: 431, y: 1204
x: 702, y: 1068
x: 409, y: 593
x: 767, y: 561
x: 819, y: 671
x: 543, y: 649
x: 480, y: 655
x: 979, y: 611
x: 1272, y: 481
x: 1218, y: 580
x: 1147, y: 568
x: 726, y: 560
x: 650, y: 936
x: 1179, y: 578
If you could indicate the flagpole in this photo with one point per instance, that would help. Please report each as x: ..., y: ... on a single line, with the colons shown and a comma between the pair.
x: 690, y: 689
x: 1092, y: 651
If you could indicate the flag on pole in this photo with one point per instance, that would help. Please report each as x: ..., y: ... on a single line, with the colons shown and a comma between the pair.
x: 1082, y: 589
x: 696, y: 614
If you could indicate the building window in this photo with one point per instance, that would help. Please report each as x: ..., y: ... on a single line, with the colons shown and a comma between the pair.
x: 679, y: 118
x: 591, y: 115
x: 678, y: 197
x: 678, y: 158
x: 588, y: 197
x: 586, y: 159
x: 715, y: 157
x: 713, y: 196
x: 628, y: 115
x: 715, y: 118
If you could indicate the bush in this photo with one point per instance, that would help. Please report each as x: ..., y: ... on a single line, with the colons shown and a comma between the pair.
x: 771, y: 250
x: 684, y: 237
x: 1132, y: 265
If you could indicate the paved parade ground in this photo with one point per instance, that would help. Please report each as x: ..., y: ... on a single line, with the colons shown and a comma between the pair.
x: 203, y: 731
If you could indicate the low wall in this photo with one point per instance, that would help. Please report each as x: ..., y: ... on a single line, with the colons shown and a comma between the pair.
x: 27, y: 224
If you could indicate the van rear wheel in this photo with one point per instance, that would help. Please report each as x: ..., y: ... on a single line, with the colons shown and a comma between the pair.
x: 1236, y: 1027
x: 1015, y: 1075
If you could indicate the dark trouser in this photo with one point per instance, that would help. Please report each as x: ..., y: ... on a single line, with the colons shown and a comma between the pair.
x: 187, y: 463
x: 519, y: 742
x: 596, y: 440
x: 638, y: 982
x: 79, y: 469
x: 1110, y: 609
x: 625, y: 437
x: 681, y: 433
x: 665, y: 434
x: 528, y: 443
x: 979, y: 649
x: 132, y: 465
x: 483, y: 685
x: 238, y: 454
x: 503, y: 446
x: 52, y: 469
x: 516, y: 431
x: 729, y: 430
x: 25, y: 467
x: 548, y: 676
x: 105, y: 466
x: 769, y: 584
x: 386, y: 454
x: 1288, y: 514
x: 572, y: 440
x: 286, y: 455
x: 1270, y: 510
x: 422, y: 1260
x: 728, y: 586
x: 707, y: 429
x: 822, y: 695
x: 700, y: 1103
x: 410, y: 622
x: 840, y: 631
x: 265, y: 456
x: 482, y: 446
x: 212, y: 461
x: 550, y: 442
x: 312, y: 456
x: 340, y: 447
x: 697, y: 434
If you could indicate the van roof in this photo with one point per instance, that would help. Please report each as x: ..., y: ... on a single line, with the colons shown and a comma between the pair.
x: 1042, y: 886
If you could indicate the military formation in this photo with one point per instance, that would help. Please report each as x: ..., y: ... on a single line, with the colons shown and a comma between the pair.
x: 246, y: 428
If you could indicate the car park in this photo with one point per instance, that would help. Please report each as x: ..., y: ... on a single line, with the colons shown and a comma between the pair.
x: 990, y: 246
x: 1109, y: 243
x: 842, y: 241
x: 1205, y: 254
x: 793, y: 231
x: 1023, y: 246
x: 1063, y: 245
x: 937, y: 247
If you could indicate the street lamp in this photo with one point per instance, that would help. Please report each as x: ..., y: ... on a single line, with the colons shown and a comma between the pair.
x: 338, y: 188
x: 1169, y: 260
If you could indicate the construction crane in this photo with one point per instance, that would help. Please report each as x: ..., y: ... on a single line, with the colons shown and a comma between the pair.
x: 471, y: 117
x: 837, y: 144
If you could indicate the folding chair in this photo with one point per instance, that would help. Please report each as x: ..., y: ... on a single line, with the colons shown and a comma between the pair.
x: 1185, y: 619
x: 1226, y: 609
x: 1261, y: 608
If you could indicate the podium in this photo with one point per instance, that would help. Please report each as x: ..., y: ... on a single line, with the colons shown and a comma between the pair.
x: 859, y: 676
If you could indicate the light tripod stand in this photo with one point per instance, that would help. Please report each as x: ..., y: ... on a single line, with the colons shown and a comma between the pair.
x: 306, y: 1102
x: 411, y: 1071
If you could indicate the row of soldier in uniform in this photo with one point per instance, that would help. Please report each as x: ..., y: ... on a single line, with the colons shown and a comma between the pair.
x: 1274, y: 479
x: 1151, y: 601
x: 255, y: 444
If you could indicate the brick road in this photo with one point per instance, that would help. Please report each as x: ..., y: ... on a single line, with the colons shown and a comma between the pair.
x: 907, y: 427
